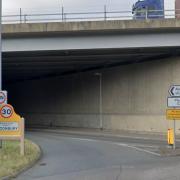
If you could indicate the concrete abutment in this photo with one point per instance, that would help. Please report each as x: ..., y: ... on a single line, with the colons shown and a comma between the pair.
x: 134, y: 97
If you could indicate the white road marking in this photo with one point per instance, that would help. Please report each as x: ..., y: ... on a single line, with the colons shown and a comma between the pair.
x: 124, y: 145
x: 138, y: 149
x: 85, y: 139
x: 144, y: 146
x: 119, y: 144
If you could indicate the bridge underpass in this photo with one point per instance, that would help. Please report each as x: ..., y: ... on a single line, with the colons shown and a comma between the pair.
x: 58, y: 87
x: 20, y: 66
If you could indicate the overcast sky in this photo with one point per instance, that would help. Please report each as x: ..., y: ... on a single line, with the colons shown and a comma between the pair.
x: 72, y: 5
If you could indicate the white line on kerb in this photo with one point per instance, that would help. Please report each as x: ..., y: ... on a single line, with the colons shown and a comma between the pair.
x: 119, y: 144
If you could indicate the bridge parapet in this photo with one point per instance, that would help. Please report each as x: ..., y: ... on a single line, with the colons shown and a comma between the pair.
x: 92, y: 26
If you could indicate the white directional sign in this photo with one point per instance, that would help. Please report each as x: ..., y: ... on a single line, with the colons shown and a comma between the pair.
x: 173, y: 102
x: 174, y: 91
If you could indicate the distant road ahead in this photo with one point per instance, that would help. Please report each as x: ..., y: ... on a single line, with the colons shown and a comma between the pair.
x: 73, y: 157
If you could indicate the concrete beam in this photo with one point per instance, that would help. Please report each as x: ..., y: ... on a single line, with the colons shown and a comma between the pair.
x: 134, y: 97
x: 91, y: 26
x: 78, y: 42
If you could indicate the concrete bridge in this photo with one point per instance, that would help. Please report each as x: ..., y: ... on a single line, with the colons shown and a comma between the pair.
x: 50, y: 71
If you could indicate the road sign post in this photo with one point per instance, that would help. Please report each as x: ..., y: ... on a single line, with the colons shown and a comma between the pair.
x: 173, y: 114
x: 3, y: 100
x: 173, y: 102
x: 0, y: 44
x: 174, y: 145
x: 0, y: 52
x: 11, y: 126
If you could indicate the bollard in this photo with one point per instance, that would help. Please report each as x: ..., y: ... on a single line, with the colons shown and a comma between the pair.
x: 170, y: 137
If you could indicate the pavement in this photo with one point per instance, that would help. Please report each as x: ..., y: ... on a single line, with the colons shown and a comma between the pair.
x: 70, y: 154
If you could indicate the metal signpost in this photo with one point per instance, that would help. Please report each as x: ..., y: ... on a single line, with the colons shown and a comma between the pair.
x: 0, y: 52
x: 173, y: 114
x: 11, y: 124
x: 100, y: 100
x: 173, y: 102
x: 3, y: 100
x: 3, y: 94
x: 174, y: 145
x: 0, y: 45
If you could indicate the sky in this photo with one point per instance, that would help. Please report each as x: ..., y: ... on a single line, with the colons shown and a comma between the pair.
x: 72, y: 5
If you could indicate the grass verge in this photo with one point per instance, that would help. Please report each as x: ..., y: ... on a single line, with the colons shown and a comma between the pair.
x: 11, y: 162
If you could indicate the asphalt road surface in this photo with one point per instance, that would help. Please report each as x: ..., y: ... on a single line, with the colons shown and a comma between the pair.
x: 77, y: 157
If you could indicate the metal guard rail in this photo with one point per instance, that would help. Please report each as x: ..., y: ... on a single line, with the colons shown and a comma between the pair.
x: 88, y: 16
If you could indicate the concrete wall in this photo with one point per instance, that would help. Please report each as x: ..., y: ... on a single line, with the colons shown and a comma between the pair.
x: 29, y: 29
x: 134, y: 98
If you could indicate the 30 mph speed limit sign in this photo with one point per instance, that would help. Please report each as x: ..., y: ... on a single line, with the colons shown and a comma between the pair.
x: 3, y: 97
x: 6, y: 111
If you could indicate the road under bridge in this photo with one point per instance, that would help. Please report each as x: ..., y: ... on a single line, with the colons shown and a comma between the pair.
x: 58, y: 73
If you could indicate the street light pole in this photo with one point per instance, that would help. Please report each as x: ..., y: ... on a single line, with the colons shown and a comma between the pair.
x: 100, y: 101
x: 62, y: 10
x: 0, y: 52
x: 0, y: 45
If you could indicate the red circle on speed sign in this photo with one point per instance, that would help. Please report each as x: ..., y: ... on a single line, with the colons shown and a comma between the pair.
x: 2, y: 97
x: 6, y: 111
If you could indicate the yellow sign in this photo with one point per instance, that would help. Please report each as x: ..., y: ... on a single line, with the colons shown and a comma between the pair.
x: 173, y: 114
x: 11, y: 126
x: 10, y: 122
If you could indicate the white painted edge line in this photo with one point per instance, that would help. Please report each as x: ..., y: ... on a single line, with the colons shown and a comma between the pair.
x: 120, y: 144
x: 138, y: 149
x: 143, y: 146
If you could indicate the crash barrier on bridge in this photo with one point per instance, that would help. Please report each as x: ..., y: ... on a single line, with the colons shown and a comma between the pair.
x: 60, y: 15
x: 11, y: 126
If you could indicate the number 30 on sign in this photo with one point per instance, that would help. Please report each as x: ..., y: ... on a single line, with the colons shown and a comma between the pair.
x: 6, y: 111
